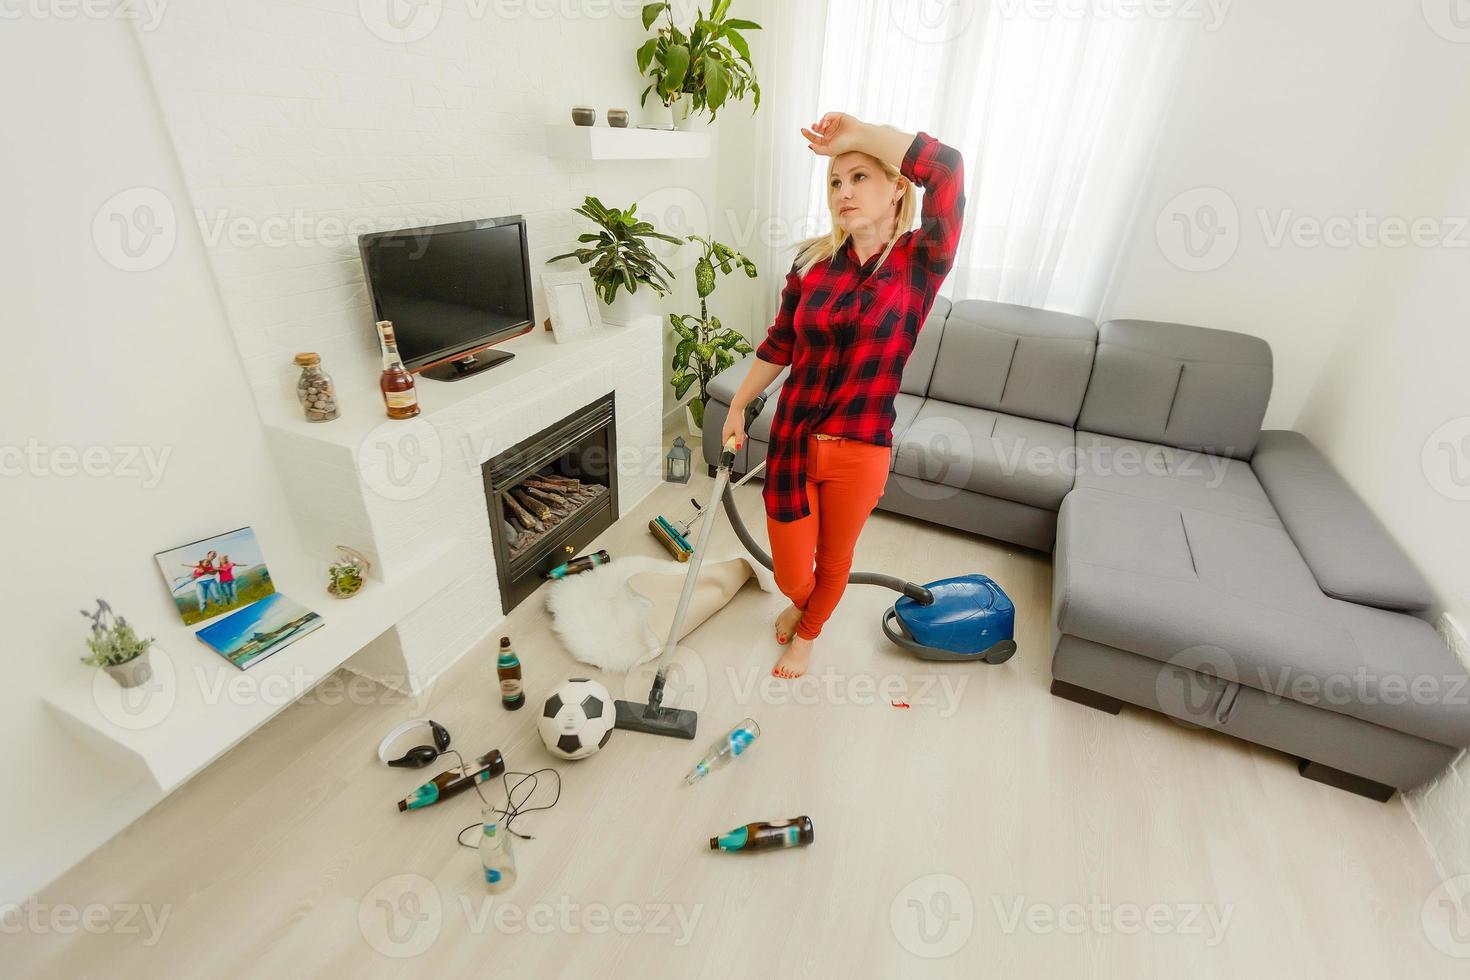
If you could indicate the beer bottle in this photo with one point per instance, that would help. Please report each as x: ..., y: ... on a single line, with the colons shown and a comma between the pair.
x: 452, y: 782
x: 766, y: 835
x: 577, y: 565
x: 508, y: 666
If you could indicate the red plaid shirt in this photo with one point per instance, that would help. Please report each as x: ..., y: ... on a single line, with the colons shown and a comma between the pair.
x: 847, y: 331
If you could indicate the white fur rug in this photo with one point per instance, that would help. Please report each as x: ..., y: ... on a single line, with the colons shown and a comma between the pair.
x: 618, y: 615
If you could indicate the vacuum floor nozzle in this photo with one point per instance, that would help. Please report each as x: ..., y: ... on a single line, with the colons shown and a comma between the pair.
x: 635, y: 716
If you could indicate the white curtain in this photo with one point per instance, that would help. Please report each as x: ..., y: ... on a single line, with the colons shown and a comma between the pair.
x: 1055, y: 105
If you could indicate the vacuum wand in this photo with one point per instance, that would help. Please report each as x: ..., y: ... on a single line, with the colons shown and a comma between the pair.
x: 653, y: 718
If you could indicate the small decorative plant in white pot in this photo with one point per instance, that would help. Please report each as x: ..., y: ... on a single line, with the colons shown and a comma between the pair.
x: 705, y: 346
x: 701, y: 69
x: 117, y: 648
x: 618, y: 257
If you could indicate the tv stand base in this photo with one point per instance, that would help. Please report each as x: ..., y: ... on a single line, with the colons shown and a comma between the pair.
x: 467, y: 366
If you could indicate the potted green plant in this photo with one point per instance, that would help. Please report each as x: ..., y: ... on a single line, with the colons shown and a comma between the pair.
x: 117, y: 648
x: 619, y: 258
x: 705, y: 346
x: 702, y: 68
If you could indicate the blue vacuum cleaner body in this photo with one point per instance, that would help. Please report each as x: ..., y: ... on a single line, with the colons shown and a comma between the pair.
x: 970, y: 618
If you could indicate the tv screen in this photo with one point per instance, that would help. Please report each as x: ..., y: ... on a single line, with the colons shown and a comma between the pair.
x: 450, y: 289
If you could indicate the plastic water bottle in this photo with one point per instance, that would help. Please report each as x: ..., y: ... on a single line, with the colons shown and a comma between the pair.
x: 735, y: 742
x: 496, y: 856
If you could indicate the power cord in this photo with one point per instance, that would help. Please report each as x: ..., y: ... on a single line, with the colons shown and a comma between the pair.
x: 512, y: 808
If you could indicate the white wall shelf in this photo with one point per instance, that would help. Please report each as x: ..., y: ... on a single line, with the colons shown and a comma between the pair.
x: 197, y: 706
x: 613, y: 143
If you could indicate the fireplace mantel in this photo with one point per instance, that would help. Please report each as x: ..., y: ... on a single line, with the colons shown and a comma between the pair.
x: 403, y: 492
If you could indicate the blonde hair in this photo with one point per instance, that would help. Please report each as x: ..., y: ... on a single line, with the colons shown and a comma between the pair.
x: 813, y: 250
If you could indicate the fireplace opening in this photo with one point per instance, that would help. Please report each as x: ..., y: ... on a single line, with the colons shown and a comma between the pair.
x: 550, y: 495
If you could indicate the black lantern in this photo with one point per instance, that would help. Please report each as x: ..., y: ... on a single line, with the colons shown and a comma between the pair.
x: 676, y: 466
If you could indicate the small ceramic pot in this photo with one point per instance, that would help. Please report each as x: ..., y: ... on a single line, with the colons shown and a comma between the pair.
x: 584, y: 115
x: 134, y: 672
x: 617, y: 118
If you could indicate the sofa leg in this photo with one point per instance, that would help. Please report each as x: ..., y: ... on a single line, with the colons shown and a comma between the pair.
x: 1338, y: 779
x: 1083, y: 696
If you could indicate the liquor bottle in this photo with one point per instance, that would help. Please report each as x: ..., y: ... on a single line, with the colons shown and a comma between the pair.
x: 496, y: 857
x: 452, y: 782
x: 399, y: 393
x: 577, y: 565
x: 508, y: 666
x: 735, y: 742
x: 766, y: 836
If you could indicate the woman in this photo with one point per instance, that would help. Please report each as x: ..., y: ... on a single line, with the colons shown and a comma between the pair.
x: 850, y: 312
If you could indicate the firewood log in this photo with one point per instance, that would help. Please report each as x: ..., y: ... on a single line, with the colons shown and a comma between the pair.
x: 526, y: 518
x: 534, y: 506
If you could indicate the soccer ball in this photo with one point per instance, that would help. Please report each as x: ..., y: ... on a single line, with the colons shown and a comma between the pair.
x: 577, y: 719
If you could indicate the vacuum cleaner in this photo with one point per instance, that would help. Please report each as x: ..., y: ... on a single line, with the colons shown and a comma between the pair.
x: 964, y: 618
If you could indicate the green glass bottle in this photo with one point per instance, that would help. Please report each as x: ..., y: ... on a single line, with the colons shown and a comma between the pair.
x: 508, y: 666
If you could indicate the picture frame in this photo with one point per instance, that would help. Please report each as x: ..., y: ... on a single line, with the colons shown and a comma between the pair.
x: 571, y: 304
x: 219, y: 574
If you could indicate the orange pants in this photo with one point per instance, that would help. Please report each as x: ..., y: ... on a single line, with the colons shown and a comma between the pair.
x: 813, y: 555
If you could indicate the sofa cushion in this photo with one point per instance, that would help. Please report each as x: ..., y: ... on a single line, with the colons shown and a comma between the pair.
x: 1014, y: 359
x: 920, y: 365
x: 1350, y: 552
x: 1217, y: 484
x: 1178, y: 385
x: 1000, y: 455
x: 1234, y: 598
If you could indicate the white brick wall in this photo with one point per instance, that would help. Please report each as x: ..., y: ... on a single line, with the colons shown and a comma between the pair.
x: 297, y: 127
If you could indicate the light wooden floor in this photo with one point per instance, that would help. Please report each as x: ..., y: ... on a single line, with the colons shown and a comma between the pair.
x: 989, y: 829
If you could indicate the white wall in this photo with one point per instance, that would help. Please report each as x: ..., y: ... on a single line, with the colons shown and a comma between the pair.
x: 305, y: 114
x: 127, y: 361
x: 1300, y: 110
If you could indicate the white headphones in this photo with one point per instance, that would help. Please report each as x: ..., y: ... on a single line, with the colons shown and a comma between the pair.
x: 420, y: 755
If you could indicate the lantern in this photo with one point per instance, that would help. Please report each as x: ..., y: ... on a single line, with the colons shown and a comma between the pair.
x: 676, y: 466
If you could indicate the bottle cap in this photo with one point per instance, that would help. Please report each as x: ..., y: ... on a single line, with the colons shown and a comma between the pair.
x: 308, y: 358
x: 385, y: 327
x: 505, y: 641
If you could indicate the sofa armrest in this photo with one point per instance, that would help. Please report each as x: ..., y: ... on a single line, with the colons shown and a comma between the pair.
x: 1350, y: 552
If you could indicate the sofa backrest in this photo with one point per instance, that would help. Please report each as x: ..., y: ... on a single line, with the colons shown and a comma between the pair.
x: 1014, y: 359
x: 920, y: 366
x: 1179, y: 385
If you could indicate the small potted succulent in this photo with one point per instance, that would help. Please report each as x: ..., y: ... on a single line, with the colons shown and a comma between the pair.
x: 620, y: 258
x: 702, y: 68
x: 117, y: 648
x: 705, y: 346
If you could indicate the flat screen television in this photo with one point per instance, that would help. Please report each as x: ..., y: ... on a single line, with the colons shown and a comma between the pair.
x: 452, y: 292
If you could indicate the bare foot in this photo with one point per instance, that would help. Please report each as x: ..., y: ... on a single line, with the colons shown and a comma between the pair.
x: 794, y: 661
x: 786, y: 624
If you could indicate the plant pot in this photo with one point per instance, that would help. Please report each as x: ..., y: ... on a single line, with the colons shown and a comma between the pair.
x: 627, y: 307
x: 694, y: 430
x: 685, y: 118
x: 134, y: 672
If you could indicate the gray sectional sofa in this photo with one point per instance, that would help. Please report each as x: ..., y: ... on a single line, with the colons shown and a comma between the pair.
x: 1223, y: 575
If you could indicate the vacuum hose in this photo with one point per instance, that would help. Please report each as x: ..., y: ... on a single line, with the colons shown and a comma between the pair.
x: 753, y: 410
